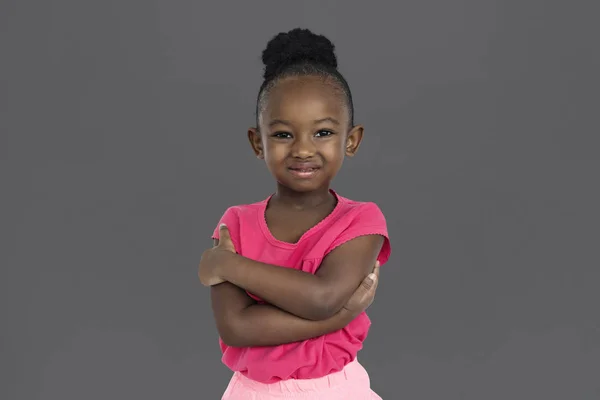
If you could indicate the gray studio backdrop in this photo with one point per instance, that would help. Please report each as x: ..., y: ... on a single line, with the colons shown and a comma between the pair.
x: 123, y: 139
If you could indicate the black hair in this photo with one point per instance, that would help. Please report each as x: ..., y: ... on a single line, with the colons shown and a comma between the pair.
x: 301, y: 52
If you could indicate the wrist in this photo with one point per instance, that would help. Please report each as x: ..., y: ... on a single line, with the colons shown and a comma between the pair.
x: 224, y: 264
x: 344, y: 317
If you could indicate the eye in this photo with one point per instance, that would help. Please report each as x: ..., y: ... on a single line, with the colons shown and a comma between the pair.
x: 281, y: 135
x: 324, y: 133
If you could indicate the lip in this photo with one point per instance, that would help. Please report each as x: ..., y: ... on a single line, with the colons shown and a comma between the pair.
x: 304, y: 165
x: 304, y: 170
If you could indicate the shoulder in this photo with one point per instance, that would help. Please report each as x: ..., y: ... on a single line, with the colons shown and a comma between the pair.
x: 361, y: 213
x: 355, y: 219
x: 237, y: 216
x: 242, y: 211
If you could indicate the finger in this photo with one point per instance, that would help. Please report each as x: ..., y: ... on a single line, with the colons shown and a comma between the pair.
x: 376, y: 269
x: 367, y: 290
x: 375, y: 283
x: 369, y: 281
x: 223, y: 233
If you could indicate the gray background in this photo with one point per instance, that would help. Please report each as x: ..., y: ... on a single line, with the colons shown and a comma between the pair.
x: 123, y: 139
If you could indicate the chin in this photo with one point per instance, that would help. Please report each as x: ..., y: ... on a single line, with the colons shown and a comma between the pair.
x: 304, y: 189
x: 302, y: 186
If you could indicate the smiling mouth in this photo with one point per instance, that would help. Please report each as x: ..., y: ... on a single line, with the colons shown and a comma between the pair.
x: 303, y: 172
x: 303, y: 169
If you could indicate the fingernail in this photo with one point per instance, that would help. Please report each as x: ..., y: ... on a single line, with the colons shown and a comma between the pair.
x: 372, y: 277
x: 223, y: 226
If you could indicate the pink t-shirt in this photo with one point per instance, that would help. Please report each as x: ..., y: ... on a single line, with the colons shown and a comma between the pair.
x: 251, y: 237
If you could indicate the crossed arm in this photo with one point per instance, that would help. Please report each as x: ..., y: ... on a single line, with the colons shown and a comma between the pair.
x: 301, y: 305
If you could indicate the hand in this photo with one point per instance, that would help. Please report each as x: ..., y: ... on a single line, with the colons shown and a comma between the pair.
x: 364, y: 295
x: 212, y: 259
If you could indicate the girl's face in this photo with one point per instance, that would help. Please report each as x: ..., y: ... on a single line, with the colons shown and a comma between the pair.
x: 304, y: 133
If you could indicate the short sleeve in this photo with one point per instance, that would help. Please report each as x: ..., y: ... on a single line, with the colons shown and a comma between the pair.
x: 367, y: 220
x: 231, y: 219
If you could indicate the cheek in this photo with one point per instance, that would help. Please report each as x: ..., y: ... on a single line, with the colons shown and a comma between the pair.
x: 275, y: 151
x: 333, y: 150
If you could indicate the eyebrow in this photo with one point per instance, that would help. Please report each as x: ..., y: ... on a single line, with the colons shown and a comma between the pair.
x: 315, y: 122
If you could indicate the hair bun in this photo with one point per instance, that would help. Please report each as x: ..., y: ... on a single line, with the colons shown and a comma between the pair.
x: 297, y: 46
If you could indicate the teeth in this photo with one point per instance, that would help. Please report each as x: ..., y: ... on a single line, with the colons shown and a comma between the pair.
x: 304, y: 170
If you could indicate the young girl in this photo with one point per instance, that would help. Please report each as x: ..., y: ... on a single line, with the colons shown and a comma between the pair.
x: 286, y: 273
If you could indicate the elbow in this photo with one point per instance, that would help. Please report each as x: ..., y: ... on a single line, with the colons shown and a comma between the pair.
x: 232, y: 340
x: 229, y: 338
x: 326, y: 305
x: 230, y: 334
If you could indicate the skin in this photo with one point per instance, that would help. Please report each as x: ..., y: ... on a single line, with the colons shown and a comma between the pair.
x: 304, y: 123
x: 242, y: 322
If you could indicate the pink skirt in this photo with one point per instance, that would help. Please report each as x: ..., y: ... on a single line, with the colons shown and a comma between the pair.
x: 351, y: 383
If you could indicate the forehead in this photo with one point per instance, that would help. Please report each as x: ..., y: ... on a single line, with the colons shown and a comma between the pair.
x: 304, y: 99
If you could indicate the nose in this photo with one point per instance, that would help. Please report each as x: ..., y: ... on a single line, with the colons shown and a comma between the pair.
x: 303, y: 147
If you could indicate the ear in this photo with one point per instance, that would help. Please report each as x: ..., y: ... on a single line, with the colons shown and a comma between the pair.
x: 256, y: 142
x: 353, y: 140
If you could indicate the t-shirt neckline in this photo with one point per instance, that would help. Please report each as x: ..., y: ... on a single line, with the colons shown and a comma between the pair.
x: 262, y: 220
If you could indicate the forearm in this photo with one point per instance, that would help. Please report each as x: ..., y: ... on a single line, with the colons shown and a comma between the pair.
x: 266, y: 325
x: 242, y: 322
x: 297, y: 292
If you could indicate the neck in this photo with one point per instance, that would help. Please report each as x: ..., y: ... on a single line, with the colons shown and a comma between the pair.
x: 302, y: 200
